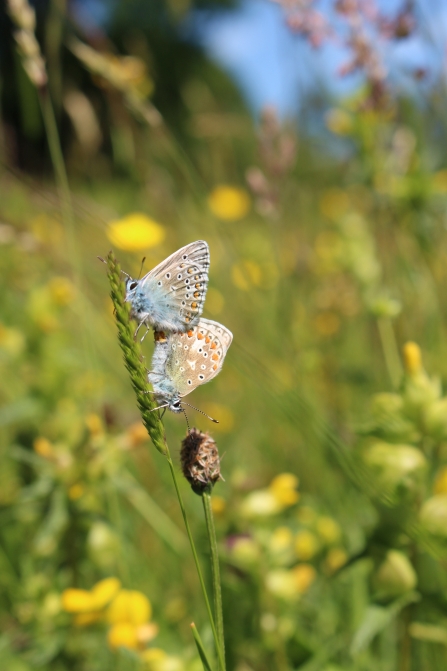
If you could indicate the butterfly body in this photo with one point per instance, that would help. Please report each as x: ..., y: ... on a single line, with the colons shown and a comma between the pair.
x: 183, y: 361
x: 171, y: 296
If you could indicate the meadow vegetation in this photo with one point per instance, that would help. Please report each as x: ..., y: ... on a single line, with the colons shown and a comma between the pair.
x: 328, y: 264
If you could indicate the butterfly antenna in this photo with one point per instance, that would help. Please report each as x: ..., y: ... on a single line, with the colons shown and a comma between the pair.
x: 201, y: 411
x: 142, y: 266
x: 186, y: 417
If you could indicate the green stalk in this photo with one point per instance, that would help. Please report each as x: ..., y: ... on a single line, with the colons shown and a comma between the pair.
x: 60, y: 173
x: 390, y: 351
x: 133, y: 360
x: 217, y: 640
x: 218, y: 612
x: 200, y: 648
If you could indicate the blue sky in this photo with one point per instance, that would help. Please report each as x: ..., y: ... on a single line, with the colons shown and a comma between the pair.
x: 273, y: 66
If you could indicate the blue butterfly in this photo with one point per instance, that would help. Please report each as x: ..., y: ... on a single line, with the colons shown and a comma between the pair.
x: 183, y: 361
x: 170, y: 297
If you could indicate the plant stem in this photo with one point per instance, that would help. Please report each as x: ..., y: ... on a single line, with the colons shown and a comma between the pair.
x: 60, y: 172
x: 206, y: 500
x: 390, y: 350
x: 196, y: 560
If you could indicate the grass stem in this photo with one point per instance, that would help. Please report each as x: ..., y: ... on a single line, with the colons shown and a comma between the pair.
x: 206, y: 500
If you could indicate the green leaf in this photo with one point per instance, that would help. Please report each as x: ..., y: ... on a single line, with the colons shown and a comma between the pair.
x: 200, y: 648
x: 376, y: 619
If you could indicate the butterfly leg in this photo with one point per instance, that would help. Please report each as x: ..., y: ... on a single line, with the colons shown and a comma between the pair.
x: 136, y: 332
x: 147, y: 331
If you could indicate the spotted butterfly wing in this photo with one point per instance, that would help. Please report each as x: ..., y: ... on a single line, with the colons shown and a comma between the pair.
x: 195, y: 357
x: 171, y: 296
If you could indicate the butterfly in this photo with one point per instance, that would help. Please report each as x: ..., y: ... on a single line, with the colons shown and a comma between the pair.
x: 170, y: 297
x: 183, y: 361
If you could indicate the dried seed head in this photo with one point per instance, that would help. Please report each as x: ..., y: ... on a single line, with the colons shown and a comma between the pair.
x: 200, y: 461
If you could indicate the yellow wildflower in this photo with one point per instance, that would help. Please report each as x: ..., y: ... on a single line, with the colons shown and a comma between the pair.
x: 129, y: 606
x: 229, y: 203
x: 306, y: 545
x: 43, y: 448
x: 104, y: 591
x: 304, y: 575
x: 284, y: 489
x: 123, y: 634
x: 94, y: 424
x: 335, y: 559
x: 412, y: 357
x: 328, y: 529
x: 62, y: 291
x: 77, y: 600
x: 261, y: 503
x: 135, y: 232
x: 75, y: 491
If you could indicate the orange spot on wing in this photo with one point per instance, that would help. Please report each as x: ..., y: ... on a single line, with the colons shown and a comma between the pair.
x: 213, y: 346
x: 200, y: 336
x: 190, y: 334
x: 215, y: 366
x: 194, y: 305
x: 207, y: 339
x: 215, y: 357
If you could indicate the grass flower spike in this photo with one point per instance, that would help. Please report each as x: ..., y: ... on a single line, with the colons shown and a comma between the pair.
x: 132, y: 356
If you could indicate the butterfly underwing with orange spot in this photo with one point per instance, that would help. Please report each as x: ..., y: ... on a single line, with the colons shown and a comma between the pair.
x: 170, y: 297
x: 183, y: 361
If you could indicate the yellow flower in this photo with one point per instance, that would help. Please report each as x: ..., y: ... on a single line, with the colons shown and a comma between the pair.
x: 306, y: 545
x: 43, y: 448
x: 123, y: 635
x: 290, y: 584
x: 94, y: 424
x: 77, y: 600
x: 104, y: 591
x: 281, y: 539
x: 135, y: 232
x: 90, y: 603
x: 75, y: 491
x: 284, y: 489
x: 328, y: 529
x: 261, y: 503
x: 412, y: 357
x: 229, y: 202
x: 335, y: 559
x: 62, y: 291
x: 129, y: 606
x: 304, y: 575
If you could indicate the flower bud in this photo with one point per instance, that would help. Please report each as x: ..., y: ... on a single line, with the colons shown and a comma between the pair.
x: 433, y: 515
x: 388, y: 419
x: 394, y: 576
x: 435, y: 419
x: 200, y: 461
x: 102, y: 545
x: 399, y: 469
x: 419, y: 391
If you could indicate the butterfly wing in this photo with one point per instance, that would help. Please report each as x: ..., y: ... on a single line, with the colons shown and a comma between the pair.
x: 172, y: 295
x: 197, y: 356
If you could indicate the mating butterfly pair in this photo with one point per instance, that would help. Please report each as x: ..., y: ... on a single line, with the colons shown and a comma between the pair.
x: 189, y: 350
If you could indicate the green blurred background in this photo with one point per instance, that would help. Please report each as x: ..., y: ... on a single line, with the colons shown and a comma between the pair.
x: 327, y: 229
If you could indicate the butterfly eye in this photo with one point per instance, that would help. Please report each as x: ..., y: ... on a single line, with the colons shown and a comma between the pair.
x: 132, y: 285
